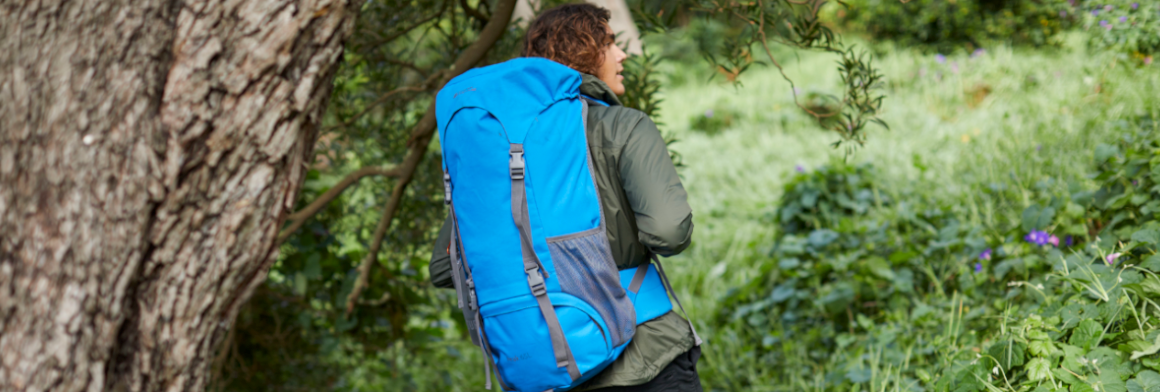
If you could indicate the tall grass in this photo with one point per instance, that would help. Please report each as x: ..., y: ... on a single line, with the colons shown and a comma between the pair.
x: 1009, y: 118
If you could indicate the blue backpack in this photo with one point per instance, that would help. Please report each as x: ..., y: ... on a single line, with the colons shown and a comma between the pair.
x: 531, y: 264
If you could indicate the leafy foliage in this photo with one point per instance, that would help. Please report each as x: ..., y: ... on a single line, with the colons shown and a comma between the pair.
x: 745, y: 29
x: 1126, y: 26
x: 949, y: 25
x: 869, y: 286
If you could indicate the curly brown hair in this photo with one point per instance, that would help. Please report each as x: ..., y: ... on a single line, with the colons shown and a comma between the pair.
x: 571, y: 34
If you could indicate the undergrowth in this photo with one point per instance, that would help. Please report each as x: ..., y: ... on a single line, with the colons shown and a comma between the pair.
x: 869, y: 286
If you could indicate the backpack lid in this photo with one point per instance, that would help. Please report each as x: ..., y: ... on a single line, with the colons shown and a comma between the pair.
x: 514, y: 91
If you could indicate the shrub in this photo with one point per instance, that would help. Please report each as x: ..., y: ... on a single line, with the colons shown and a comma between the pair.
x: 1126, y: 26
x: 876, y: 285
x: 714, y: 120
x: 947, y: 25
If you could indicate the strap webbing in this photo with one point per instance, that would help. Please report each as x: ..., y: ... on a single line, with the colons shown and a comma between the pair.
x: 638, y: 278
x: 456, y: 273
x: 469, y: 306
x: 669, y: 288
x: 486, y: 354
x: 464, y: 285
x: 532, y: 266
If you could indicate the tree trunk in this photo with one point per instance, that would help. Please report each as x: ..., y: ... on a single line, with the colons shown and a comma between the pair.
x: 148, y: 152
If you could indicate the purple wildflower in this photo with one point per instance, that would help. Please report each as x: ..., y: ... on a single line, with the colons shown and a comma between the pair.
x: 978, y: 267
x: 954, y: 66
x: 1068, y: 240
x: 799, y: 169
x: 1038, y: 147
x: 1062, y: 14
x: 979, y: 52
x: 1095, y: 12
x: 709, y: 113
x: 1108, y: 8
x: 1148, y: 60
x: 1123, y: 19
x: 1134, y: 183
x: 985, y: 255
x: 1037, y: 237
x: 939, y: 58
x: 1104, y: 24
x: 1053, y: 240
x: 1111, y: 259
x: 1135, y: 5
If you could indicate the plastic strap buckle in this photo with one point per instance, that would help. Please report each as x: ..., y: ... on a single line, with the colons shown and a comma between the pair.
x: 446, y: 189
x: 516, y: 164
x: 471, y: 304
x: 536, y: 281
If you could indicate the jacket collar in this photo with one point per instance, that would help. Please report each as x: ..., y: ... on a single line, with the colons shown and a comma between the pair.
x: 595, y: 88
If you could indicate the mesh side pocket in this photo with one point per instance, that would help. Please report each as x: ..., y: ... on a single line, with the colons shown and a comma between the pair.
x: 585, y: 269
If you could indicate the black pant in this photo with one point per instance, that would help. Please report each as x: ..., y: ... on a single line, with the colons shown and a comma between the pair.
x: 679, y: 376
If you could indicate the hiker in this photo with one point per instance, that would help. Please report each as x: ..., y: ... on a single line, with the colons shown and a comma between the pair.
x: 643, y: 205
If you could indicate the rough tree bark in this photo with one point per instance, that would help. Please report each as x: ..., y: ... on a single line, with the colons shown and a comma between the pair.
x: 149, y: 151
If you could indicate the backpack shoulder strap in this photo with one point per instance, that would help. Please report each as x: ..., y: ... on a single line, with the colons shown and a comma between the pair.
x: 669, y: 288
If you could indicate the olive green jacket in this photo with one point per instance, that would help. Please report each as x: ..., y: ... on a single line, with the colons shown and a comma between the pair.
x: 647, y: 211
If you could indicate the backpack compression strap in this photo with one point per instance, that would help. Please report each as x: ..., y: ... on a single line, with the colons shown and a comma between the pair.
x: 669, y: 288
x: 464, y: 282
x: 532, y: 266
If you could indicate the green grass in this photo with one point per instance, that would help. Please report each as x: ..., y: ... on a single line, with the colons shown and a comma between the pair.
x: 1044, y: 113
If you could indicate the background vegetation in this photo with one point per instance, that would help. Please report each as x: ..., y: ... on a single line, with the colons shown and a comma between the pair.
x: 906, y: 265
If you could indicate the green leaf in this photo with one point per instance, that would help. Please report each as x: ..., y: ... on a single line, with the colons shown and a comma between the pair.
x: 1087, y: 334
x: 1041, y: 348
x: 1071, y: 356
x: 1045, y: 217
x: 313, y: 268
x: 1147, y: 351
x: 898, y: 257
x: 1146, y: 381
x: 880, y: 267
x: 300, y: 284
x: 1148, y: 236
x: 1109, y: 360
x: 1031, y: 217
x: 1150, y: 286
x: 1036, y: 334
x: 1038, y: 369
x: 922, y: 375
x: 1105, y: 151
x: 1066, y: 376
x: 1009, y: 355
x: 1111, y: 381
x: 1152, y: 263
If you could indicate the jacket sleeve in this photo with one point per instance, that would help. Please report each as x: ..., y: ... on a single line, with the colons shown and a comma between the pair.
x: 440, y: 266
x: 663, y: 217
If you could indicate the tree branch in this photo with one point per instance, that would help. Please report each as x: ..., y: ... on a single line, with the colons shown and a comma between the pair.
x: 473, y: 12
x: 408, y: 64
x: 297, y: 219
x: 377, y: 302
x: 383, y: 98
x: 396, y: 35
x: 421, y: 138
